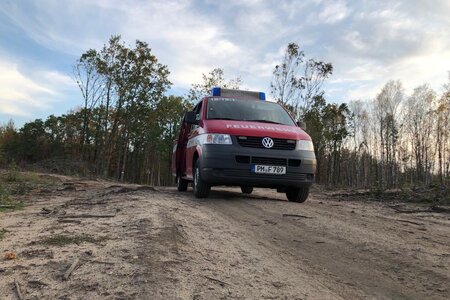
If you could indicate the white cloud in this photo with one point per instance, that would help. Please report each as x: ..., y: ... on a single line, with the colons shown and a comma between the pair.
x: 368, y: 42
x: 22, y: 95
x: 379, y: 42
x: 189, y: 41
x: 333, y: 12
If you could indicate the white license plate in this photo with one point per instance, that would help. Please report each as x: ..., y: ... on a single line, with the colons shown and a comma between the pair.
x: 261, y: 169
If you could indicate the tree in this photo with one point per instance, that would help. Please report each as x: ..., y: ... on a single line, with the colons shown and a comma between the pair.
x: 328, y: 126
x: 90, y: 82
x: 419, y: 122
x: 214, y: 78
x: 297, y: 80
x: 443, y: 134
x: 386, y: 104
x: 128, y: 83
x: 359, y: 162
x: 9, y: 143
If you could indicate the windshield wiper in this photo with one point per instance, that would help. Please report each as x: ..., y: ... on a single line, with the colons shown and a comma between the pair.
x: 223, y: 119
x: 265, y: 121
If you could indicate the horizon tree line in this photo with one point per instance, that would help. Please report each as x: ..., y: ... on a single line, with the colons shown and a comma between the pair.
x: 126, y: 124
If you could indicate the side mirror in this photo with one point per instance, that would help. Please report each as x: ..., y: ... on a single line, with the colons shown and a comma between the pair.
x: 301, y: 124
x: 191, y: 118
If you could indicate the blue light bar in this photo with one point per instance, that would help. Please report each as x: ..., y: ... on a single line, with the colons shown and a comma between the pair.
x: 241, y: 94
x: 216, y: 91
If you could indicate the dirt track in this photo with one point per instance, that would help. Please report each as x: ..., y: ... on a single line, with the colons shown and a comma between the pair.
x: 168, y: 245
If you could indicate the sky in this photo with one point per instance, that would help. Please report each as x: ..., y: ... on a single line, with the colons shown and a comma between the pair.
x: 368, y: 43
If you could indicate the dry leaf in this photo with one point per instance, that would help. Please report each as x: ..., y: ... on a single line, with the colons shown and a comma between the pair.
x: 10, y: 255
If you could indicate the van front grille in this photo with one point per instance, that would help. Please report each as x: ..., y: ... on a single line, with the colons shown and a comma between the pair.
x: 256, y: 142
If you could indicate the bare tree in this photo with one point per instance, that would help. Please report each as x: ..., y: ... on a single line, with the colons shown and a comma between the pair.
x: 297, y: 80
x: 92, y: 89
x: 214, y: 78
x: 420, y: 121
x: 386, y: 104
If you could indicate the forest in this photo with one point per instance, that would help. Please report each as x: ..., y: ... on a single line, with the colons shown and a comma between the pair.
x: 126, y: 123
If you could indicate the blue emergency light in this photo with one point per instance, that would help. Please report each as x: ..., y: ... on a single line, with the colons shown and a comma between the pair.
x: 217, y: 91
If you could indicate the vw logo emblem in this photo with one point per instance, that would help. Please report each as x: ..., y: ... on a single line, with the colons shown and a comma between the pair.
x: 267, y: 142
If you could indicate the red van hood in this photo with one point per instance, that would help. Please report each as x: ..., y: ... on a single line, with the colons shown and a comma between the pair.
x: 244, y: 128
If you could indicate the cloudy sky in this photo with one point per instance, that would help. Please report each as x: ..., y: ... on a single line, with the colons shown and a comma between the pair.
x: 368, y: 43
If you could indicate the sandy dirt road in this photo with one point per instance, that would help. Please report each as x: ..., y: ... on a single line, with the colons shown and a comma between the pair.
x: 162, y: 244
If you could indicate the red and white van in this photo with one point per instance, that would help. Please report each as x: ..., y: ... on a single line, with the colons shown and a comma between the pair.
x: 236, y: 138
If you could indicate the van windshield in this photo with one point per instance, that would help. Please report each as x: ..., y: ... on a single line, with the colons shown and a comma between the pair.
x: 247, y: 110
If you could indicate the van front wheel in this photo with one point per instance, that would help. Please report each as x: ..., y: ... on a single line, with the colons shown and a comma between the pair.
x: 201, y: 188
x: 246, y: 189
x: 297, y: 194
x: 182, y: 184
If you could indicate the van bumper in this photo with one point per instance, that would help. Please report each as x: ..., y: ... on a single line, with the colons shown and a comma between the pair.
x: 232, y: 165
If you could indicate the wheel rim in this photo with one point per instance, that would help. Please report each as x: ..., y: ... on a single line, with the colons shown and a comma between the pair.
x: 196, y: 177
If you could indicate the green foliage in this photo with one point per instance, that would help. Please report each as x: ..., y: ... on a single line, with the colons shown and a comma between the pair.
x: 328, y: 126
x: 124, y: 129
x: 21, y: 189
x: 2, y: 233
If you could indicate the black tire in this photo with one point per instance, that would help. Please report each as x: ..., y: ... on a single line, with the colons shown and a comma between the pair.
x: 297, y: 194
x: 246, y: 189
x: 201, y: 188
x: 182, y: 184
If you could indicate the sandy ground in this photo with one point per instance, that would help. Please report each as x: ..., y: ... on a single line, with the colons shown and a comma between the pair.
x: 162, y: 244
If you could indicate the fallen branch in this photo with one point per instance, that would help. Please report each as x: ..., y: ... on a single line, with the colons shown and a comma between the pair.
x: 86, y: 216
x: 70, y: 270
x: 297, y: 216
x: 410, y: 222
x: 409, y: 211
x: 216, y: 280
x: 69, y: 221
x: 99, y: 262
x: 124, y: 189
x: 440, y: 209
x: 7, y: 206
x: 18, y: 291
x: 67, y: 188
x: 87, y: 203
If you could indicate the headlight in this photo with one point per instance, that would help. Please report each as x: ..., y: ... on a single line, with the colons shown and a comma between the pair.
x: 215, y: 138
x: 305, y: 145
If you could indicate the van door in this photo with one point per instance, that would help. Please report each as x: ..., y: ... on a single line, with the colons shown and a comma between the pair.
x: 193, y: 132
x: 180, y: 152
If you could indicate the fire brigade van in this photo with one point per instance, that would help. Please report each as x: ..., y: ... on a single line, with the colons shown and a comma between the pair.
x: 237, y: 138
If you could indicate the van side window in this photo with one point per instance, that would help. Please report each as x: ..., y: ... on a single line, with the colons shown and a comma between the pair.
x: 198, y: 112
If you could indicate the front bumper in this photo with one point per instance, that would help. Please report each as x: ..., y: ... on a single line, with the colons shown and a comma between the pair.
x: 231, y: 165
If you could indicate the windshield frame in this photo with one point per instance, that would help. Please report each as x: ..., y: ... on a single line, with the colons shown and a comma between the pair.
x: 206, y: 112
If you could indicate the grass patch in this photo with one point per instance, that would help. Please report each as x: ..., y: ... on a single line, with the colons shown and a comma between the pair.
x: 7, y: 201
x: 2, y: 233
x: 14, y: 184
x: 63, y: 239
x: 13, y: 174
x: 5, y: 195
x: 9, y: 207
